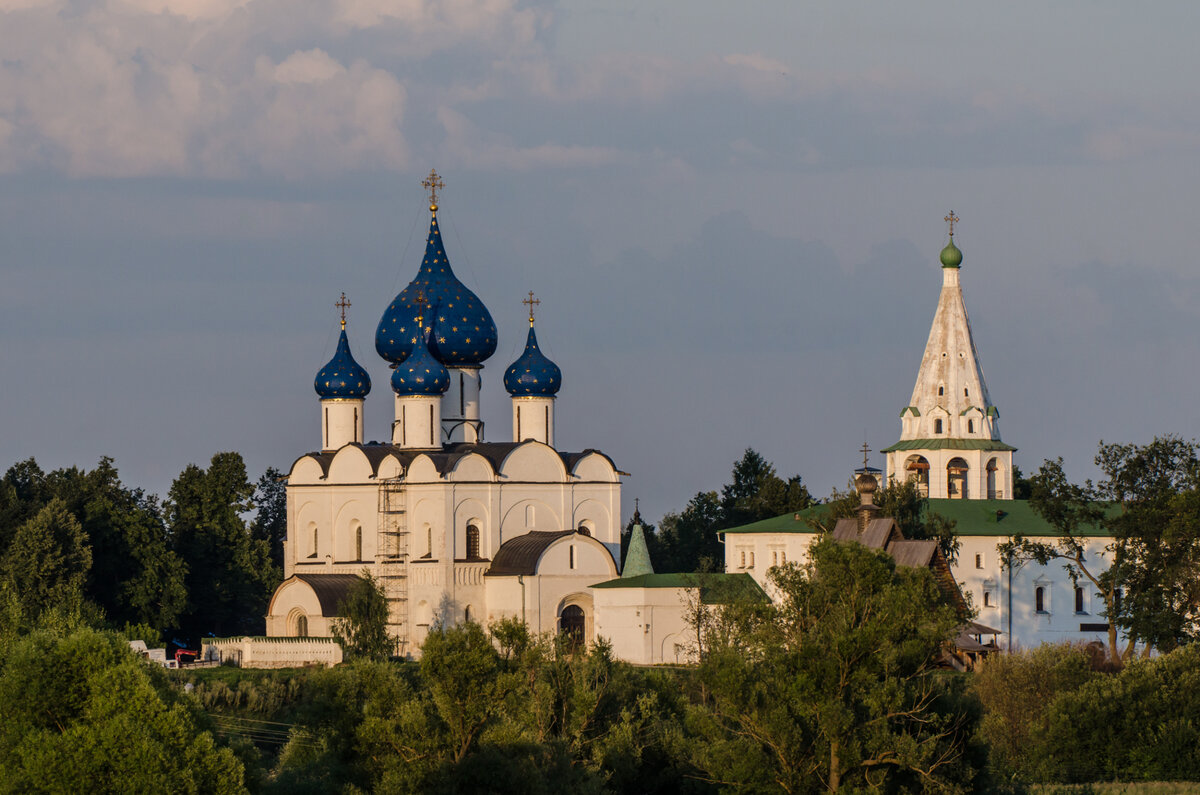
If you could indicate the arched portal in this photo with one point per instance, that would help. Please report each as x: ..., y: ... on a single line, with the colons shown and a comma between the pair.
x: 992, y: 493
x: 917, y: 467
x: 956, y: 479
x: 572, y: 624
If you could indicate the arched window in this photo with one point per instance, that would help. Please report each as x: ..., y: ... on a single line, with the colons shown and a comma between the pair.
x: 472, y: 542
x: 1039, y: 598
x: 937, y: 426
x: 358, y: 543
x: 572, y: 623
x: 941, y: 390
x: 970, y: 426
x: 302, y: 627
x: 966, y: 392
x: 987, y: 598
x: 1078, y: 599
x: 467, y: 613
x: 956, y: 479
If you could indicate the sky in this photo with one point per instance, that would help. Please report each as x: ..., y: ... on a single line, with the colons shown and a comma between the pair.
x: 731, y: 213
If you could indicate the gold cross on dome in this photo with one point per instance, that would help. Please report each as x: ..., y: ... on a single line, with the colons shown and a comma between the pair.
x: 951, y: 219
x: 865, y: 451
x: 342, y: 304
x: 433, y: 183
x: 420, y: 301
x: 532, y: 302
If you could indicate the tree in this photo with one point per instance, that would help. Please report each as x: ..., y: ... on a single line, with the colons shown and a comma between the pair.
x: 361, y: 630
x: 1156, y: 538
x: 270, y: 522
x: 83, y: 714
x: 230, y: 576
x: 835, y: 684
x: 459, y: 665
x: 47, y: 563
x: 756, y: 492
x: 1148, y: 506
x: 688, y: 541
x: 1073, y: 511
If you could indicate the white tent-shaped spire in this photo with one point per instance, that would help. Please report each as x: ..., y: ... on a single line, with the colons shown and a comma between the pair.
x: 949, y: 436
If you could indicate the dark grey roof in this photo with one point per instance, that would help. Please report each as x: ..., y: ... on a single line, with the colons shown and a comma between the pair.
x: 878, y: 534
x: 331, y: 589
x: 520, y: 555
x: 913, y: 554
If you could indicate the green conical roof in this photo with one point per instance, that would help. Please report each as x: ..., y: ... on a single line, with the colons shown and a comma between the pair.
x: 637, y: 557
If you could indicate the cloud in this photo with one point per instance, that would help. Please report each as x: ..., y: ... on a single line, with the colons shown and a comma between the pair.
x: 471, y: 147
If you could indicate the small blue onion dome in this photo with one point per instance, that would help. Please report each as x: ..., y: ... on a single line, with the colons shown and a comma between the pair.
x: 532, y: 373
x: 466, y: 332
x: 342, y: 377
x: 420, y: 373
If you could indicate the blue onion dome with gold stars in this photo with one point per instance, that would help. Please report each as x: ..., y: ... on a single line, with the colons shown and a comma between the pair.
x: 420, y: 373
x: 342, y: 377
x: 532, y: 374
x: 466, y: 332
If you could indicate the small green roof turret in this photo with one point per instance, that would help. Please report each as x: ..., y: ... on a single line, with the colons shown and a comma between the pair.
x: 637, y: 557
x: 951, y: 256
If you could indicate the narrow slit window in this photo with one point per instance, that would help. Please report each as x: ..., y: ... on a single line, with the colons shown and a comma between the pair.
x: 1078, y: 599
x: 1039, y: 598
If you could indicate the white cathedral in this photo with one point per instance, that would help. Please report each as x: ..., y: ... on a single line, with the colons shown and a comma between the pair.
x: 458, y: 528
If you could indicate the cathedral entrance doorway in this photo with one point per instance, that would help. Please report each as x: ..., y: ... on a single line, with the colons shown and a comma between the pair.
x: 572, y: 624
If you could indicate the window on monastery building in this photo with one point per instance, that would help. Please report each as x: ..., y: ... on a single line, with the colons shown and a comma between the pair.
x: 937, y: 426
x: 302, y: 627
x: 970, y: 426
x: 742, y: 558
x: 467, y: 613
x: 428, y: 542
x: 358, y: 543
x: 751, y: 560
x: 978, y: 560
x: 1078, y: 599
x: 573, y: 623
x: 1039, y: 599
x: 571, y: 556
x: 941, y: 390
x: 966, y: 392
x: 472, y: 542
x: 314, y: 543
x: 987, y: 598
x: 783, y: 557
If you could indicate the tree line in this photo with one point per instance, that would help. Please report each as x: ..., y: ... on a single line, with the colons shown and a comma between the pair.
x: 82, y: 546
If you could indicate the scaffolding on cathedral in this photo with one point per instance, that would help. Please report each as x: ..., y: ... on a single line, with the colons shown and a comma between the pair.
x: 393, y: 557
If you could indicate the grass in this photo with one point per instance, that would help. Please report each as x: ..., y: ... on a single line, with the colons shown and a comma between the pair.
x: 1119, y: 788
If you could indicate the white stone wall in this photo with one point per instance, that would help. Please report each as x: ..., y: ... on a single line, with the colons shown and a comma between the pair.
x: 341, y: 422
x: 1011, y: 602
x: 533, y: 418
x: 255, y: 652
x: 646, y: 626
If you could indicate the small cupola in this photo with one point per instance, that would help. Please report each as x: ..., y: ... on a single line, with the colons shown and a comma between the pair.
x: 532, y: 374
x: 342, y: 377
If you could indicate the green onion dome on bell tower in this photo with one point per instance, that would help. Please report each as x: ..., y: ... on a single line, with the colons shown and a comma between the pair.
x: 951, y: 257
x: 466, y: 332
x: 532, y: 374
x: 342, y: 377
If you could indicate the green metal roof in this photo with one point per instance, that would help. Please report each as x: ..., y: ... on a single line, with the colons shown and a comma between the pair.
x: 637, y: 557
x: 916, y: 412
x: 971, y: 518
x: 948, y: 444
x: 715, y: 588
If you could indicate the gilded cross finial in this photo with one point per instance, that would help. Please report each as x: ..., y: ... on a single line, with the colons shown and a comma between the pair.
x: 342, y: 304
x: 532, y: 302
x: 951, y: 219
x: 433, y: 183
x: 420, y: 301
x: 865, y: 450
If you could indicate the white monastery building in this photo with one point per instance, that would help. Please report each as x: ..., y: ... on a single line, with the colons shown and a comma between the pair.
x: 950, y: 445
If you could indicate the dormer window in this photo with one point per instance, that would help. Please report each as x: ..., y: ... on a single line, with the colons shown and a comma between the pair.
x: 937, y: 426
x: 970, y: 426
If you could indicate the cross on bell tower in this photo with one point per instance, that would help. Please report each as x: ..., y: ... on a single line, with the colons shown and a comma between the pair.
x: 952, y: 219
